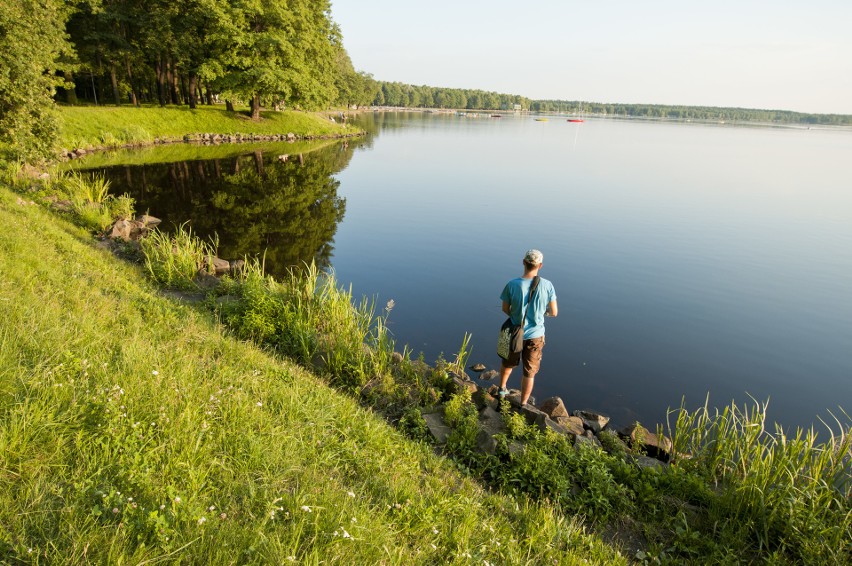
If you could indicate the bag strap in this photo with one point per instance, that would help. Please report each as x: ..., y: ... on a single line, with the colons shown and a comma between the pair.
x: 533, y: 287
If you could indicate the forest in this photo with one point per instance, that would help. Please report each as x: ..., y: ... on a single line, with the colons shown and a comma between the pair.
x: 285, y: 54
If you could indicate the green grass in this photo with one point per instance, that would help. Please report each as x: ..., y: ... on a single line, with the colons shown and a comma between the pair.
x: 106, y: 126
x: 135, y: 429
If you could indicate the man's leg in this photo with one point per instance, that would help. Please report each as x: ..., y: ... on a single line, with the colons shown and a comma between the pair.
x: 504, y: 376
x: 526, y: 388
x: 532, y: 362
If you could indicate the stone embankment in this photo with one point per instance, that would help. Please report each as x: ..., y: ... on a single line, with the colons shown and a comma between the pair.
x: 212, y: 139
x: 645, y: 448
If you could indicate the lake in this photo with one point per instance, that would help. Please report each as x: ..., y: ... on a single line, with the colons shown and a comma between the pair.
x: 688, y: 259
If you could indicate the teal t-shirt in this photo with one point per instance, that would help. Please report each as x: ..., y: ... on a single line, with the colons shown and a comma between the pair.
x: 516, y: 292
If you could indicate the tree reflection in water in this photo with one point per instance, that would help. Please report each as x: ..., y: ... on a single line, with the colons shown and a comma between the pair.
x: 255, y: 203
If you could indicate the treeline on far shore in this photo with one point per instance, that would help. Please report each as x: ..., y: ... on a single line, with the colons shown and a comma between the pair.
x: 401, y: 95
x: 681, y: 112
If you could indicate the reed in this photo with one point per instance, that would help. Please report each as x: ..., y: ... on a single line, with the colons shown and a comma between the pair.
x: 173, y: 260
x: 788, y: 491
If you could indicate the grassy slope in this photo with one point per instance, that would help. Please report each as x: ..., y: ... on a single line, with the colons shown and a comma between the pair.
x: 109, y: 391
x: 105, y: 126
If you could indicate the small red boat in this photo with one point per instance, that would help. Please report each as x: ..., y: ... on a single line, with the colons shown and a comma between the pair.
x: 576, y: 120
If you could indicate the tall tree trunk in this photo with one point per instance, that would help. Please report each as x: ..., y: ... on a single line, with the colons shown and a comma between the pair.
x: 114, y: 81
x: 229, y: 106
x: 161, y: 80
x: 172, y: 80
x: 208, y: 95
x: 134, y: 95
x: 70, y: 91
x: 193, y: 83
x: 183, y: 90
x: 255, y: 107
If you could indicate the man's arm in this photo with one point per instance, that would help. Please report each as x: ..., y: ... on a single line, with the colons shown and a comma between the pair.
x: 552, y: 309
x: 507, y: 308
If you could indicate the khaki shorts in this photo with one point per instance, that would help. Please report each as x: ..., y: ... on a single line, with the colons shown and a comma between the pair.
x: 531, y: 356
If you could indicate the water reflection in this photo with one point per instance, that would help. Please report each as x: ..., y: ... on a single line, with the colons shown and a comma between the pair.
x: 261, y: 202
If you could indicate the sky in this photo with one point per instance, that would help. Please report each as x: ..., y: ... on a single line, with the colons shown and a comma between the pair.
x: 779, y: 54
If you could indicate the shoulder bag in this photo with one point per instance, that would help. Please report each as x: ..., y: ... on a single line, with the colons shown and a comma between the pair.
x: 511, y: 338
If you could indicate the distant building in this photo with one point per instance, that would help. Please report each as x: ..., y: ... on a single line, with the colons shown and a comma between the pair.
x: 516, y: 107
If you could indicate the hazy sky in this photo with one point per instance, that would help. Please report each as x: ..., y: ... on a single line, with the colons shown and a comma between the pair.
x: 778, y: 54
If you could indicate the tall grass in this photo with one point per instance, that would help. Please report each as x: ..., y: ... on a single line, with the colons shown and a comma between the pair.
x: 789, y: 491
x: 174, y: 259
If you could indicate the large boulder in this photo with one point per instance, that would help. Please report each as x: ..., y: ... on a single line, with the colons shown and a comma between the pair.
x: 592, y: 420
x: 574, y: 425
x: 121, y: 230
x: 554, y: 407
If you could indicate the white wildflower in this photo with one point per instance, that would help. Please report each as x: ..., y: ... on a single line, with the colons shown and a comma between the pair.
x: 155, y: 372
x: 202, y: 520
x: 306, y: 509
x: 350, y: 493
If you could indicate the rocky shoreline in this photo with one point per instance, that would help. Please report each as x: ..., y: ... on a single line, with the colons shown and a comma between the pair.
x: 208, y: 139
x: 580, y: 426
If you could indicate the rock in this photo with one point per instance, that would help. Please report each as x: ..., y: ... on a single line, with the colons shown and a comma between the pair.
x: 437, y: 427
x: 148, y: 221
x: 485, y: 443
x: 283, y: 157
x: 460, y: 383
x: 658, y: 447
x: 397, y: 358
x: 530, y: 413
x: 514, y: 398
x: 79, y: 152
x: 217, y: 265
x: 580, y: 440
x: 489, y: 375
x: 483, y: 398
x: 121, y: 230
x: 573, y: 424
x: 554, y: 407
x: 592, y: 420
x: 204, y: 280
x: 61, y: 205
x: 137, y: 230
x: 546, y: 423
x: 460, y: 374
x: 237, y: 266
x: 491, y: 421
x: 291, y: 137
x: 478, y: 367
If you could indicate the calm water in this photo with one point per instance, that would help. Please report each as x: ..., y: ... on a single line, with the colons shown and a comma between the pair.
x: 688, y: 259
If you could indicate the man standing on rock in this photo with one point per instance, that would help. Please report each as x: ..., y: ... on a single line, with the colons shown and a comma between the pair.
x: 515, y: 296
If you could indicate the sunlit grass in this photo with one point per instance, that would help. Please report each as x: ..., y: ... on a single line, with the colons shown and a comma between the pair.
x: 134, y: 429
x: 107, y: 126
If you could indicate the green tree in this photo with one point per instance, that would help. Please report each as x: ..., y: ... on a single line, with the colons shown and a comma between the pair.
x: 279, y: 50
x: 32, y: 42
